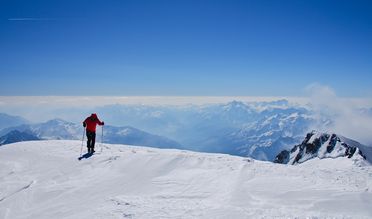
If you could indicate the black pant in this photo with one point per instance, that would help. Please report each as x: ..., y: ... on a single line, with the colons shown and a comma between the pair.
x: 91, y: 136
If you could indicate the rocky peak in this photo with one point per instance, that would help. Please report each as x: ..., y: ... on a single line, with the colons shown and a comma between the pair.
x: 321, y: 145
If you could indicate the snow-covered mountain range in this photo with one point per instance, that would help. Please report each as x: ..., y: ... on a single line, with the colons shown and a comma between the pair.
x: 257, y: 129
x: 7, y: 121
x: 324, y: 145
x: 44, y: 179
x: 52, y: 129
x: 17, y: 136
x: 60, y: 129
x: 133, y: 136
x: 251, y: 129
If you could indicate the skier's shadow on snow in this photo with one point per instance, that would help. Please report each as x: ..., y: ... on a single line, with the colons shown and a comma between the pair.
x: 85, y: 156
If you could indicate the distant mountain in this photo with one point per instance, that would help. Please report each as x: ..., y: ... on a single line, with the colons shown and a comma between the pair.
x: 59, y: 129
x: 7, y: 121
x: 260, y: 135
x: 17, y: 136
x: 324, y: 145
x: 52, y: 129
x: 132, y: 136
x: 366, y: 111
x: 264, y: 139
x: 256, y: 129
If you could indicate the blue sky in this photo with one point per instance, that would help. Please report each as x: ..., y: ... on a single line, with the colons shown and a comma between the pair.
x: 246, y: 48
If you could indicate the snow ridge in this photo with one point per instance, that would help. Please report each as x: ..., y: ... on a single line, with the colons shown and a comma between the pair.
x: 43, y: 179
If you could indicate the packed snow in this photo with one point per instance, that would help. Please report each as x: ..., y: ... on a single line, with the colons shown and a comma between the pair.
x: 44, y: 179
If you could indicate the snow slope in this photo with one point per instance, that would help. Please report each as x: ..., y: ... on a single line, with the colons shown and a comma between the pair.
x: 44, y: 179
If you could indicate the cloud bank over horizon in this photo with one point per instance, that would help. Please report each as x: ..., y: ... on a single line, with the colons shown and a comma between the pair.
x: 348, y: 119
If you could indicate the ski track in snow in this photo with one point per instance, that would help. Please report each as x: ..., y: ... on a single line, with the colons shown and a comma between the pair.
x: 45, y: 179
x: 17, y: 191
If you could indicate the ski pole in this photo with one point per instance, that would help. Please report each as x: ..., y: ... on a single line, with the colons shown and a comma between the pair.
x: 102, y: 139
x: 82, y: 143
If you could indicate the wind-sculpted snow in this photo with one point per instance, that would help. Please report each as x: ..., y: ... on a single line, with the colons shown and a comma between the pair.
x: 44, y: 179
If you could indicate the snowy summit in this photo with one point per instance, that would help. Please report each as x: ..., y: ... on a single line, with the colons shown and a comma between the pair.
x: 44, y: 179
x: 325, y: 145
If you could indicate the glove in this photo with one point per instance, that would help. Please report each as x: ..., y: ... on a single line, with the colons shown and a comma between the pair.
x: 84, y: 124
x: 103, y: 123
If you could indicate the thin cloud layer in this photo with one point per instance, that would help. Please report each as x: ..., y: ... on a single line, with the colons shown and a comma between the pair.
x: 29, y: 19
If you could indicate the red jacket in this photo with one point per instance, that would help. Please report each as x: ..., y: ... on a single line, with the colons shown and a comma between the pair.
x: 91, y: 123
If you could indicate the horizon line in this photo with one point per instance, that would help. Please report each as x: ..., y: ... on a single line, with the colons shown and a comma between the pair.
x: 158, y: 100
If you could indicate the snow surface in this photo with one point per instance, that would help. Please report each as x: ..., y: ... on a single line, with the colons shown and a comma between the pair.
x: 44, y: 179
